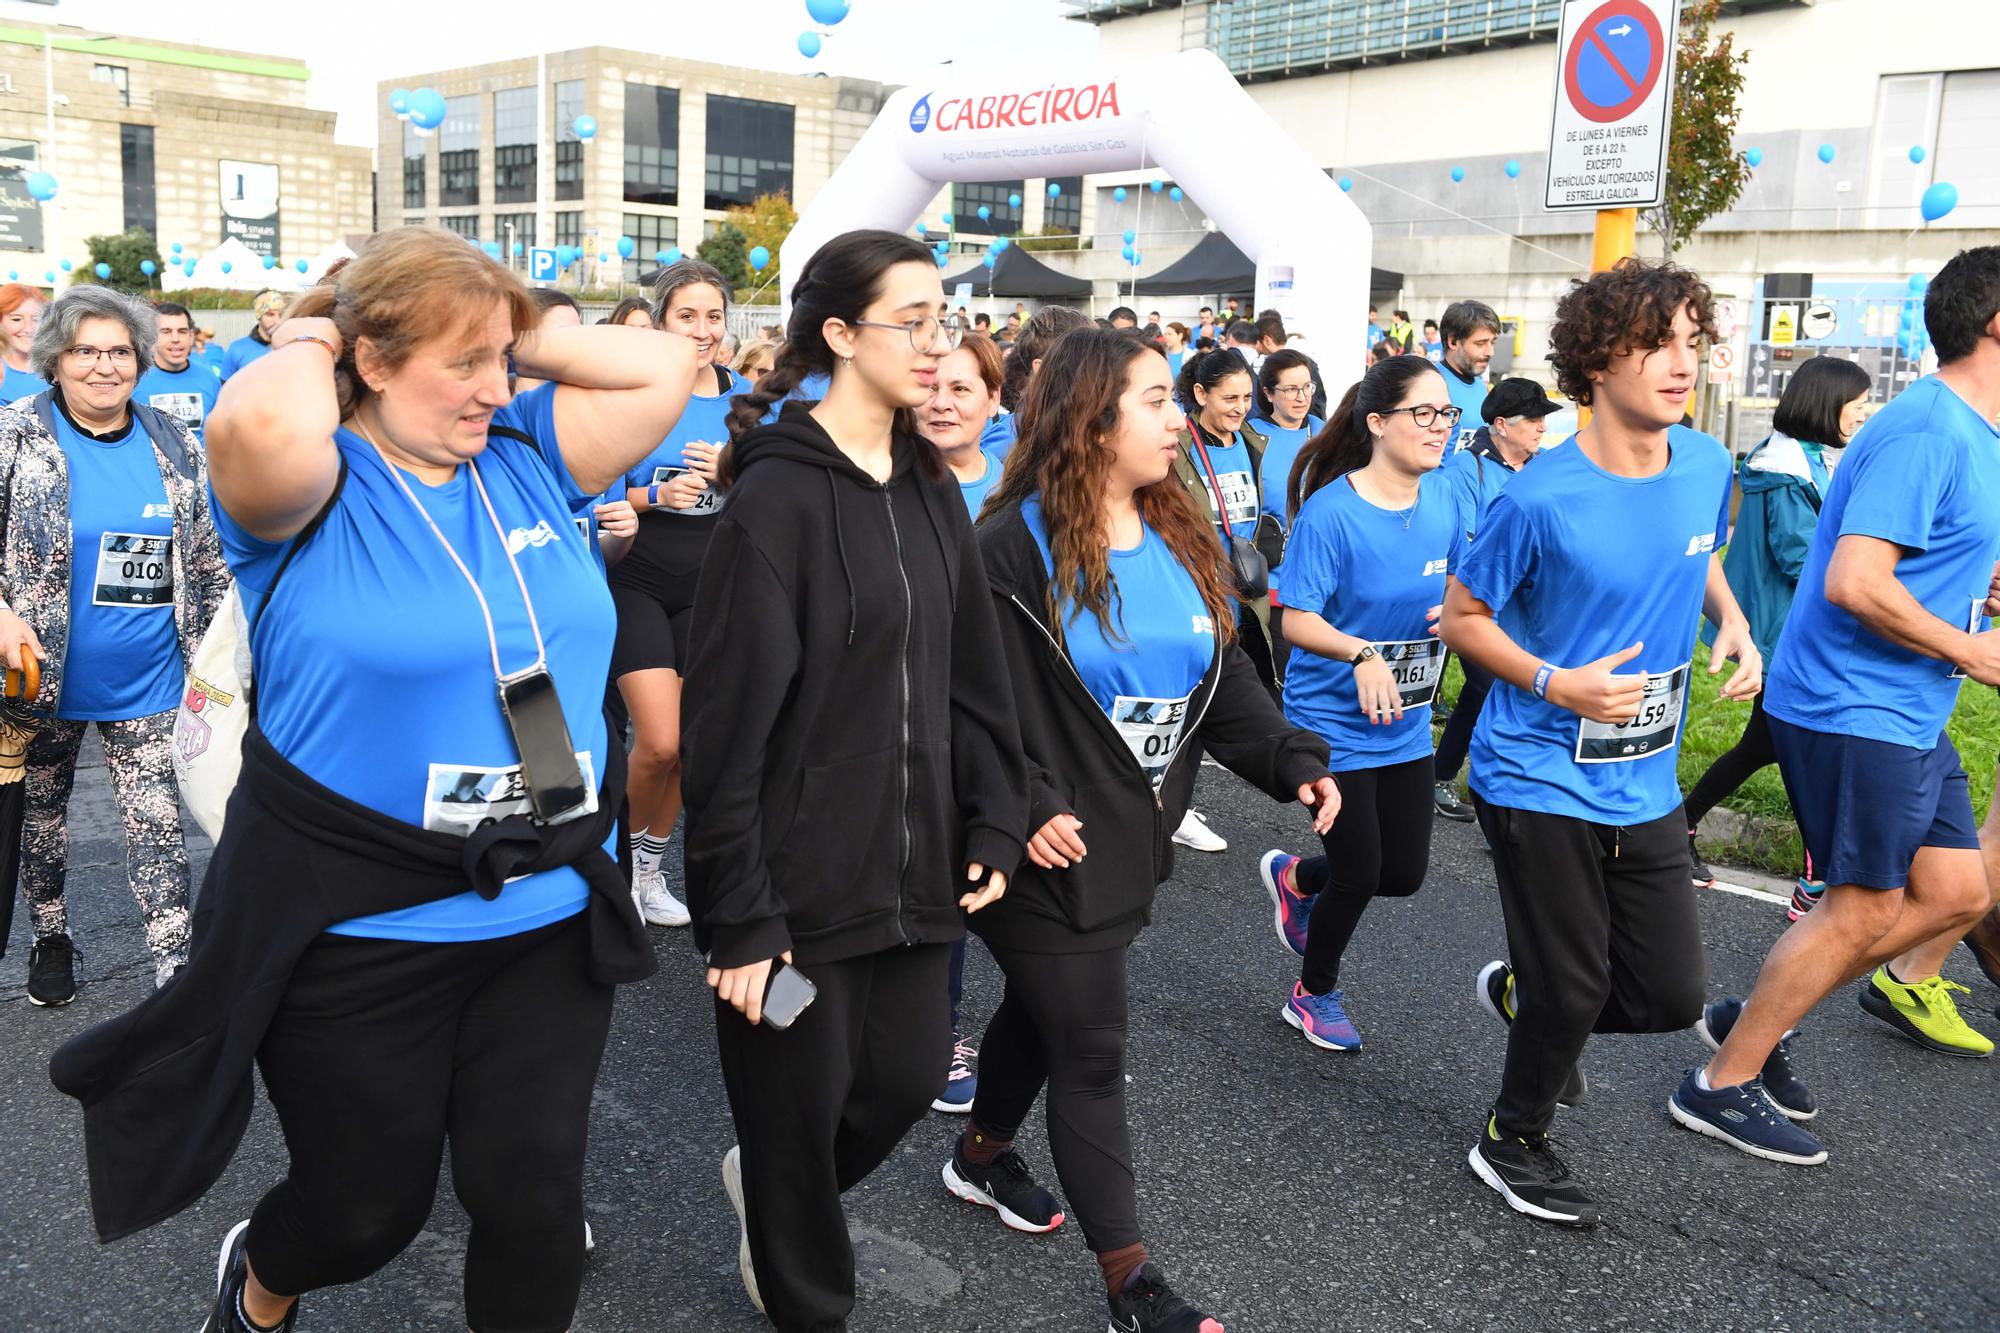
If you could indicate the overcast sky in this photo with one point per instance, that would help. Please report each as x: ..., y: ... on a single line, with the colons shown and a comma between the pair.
x: 895, y: 41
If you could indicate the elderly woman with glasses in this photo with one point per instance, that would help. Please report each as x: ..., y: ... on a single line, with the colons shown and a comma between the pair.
x: 110, y: 569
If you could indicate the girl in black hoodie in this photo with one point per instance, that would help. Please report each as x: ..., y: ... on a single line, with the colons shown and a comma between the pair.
x: 1119, y: 631
x: 854, y: 777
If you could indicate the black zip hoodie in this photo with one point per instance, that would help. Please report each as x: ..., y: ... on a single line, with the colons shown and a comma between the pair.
x: 1079, y: 765
x: 848, y: 735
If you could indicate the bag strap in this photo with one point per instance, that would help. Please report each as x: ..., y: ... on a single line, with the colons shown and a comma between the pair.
x: 313, y: 525
x: 1215, y: 482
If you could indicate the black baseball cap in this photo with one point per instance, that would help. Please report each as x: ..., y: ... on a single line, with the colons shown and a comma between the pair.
x: 1517, y: 397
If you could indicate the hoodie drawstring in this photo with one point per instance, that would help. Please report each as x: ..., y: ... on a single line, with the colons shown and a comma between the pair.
x: 846, y: 572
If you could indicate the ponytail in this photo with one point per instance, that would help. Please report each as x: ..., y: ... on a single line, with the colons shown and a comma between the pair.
x: 1207, y: 370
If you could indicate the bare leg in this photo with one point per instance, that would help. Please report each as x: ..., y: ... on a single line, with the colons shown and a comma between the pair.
x: 1956, y: 893
x: 262, y: 1306
x: 653, y: 780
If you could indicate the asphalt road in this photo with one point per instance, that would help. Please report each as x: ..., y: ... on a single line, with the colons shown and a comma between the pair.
x: 1282, y: 1186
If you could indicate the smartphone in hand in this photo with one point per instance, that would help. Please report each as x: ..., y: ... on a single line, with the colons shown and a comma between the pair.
x: 786, y: 996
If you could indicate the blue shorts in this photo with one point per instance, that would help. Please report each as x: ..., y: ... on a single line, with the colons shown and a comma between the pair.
x: 1866, y: 806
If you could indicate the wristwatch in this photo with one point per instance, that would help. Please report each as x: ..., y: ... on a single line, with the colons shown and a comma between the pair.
x: 1366, y: 654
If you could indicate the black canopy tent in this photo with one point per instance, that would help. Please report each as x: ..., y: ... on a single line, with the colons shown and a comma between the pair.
x: 1015, y: 272
x: 1216, y: 267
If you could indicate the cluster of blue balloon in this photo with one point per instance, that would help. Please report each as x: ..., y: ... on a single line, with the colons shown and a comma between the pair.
x: 1911, y: 335
x: 826, y: 13
x: 1130, y: 254
x: 423, y: 109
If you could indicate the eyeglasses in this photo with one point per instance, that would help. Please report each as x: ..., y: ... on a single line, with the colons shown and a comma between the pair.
x: 1426, y: 416
x: 1296, y: 390
x: 86, y: 357
x: 923, y: 332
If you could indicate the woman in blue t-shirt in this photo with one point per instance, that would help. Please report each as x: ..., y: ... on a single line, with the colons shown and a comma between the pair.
x: 673, y: 488
x: 1286, y: 382
x: 431, y: 639
x: 1377, y: 530
x: 1118, y: 626
x: 21, y: 309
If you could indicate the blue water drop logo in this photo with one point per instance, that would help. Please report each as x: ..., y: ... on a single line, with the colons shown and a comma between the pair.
x: 920, y: 115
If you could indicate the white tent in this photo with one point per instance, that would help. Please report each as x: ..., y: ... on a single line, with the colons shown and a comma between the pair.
x: 317, y: 266
x: 246, y: 272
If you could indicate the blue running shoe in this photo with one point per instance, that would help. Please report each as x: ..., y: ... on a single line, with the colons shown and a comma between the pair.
x: 1322, y: 1019
x: 1743, y: 1117
x: 1290, y: 908
x: 1787, y: 1091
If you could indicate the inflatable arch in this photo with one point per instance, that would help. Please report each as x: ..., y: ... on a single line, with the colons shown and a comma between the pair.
x: 1183, y: 114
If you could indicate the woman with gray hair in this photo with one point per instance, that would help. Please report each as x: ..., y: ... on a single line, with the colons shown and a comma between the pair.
x: 674, y: 490
x: 110, y: 569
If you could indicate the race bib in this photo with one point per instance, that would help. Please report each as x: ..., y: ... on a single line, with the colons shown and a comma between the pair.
x: 134, y: 570
x: 187, y: 406
x: 1974, y: 624
x: 1654, y: 731
x: 462, y: 798
x: 1152, y: 730
x: 708, y: 502
x: 1418, y: 666
x: 1239, y: 497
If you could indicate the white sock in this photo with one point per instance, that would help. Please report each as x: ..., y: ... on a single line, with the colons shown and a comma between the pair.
x: 1701, y: 1080
x: 646, y: 853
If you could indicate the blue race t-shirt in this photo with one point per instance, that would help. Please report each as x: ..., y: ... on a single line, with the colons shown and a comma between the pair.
x: 705, y: 420
x: 1281, y: 450
x: 1228, y: 467
x: 999, y: 436
x: 1478, y: 480
x: 1578, y: 564
x: 409, y: 722
x: 1163, y: 640
x: 188, y: 393
x: 20, y: 384
x: 241, y: 353
x: 123, y: 659
x: 1363, y: 571
x: 974, y: 493
x: 1468, y: 396
x: 1924, y: 473
x: 534, y: 414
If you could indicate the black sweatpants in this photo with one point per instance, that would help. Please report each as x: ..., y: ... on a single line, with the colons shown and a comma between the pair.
x: 1752, y: 751
x: 1062, y: 1022
x: 1603, y: 937
x: 381, y: 1052
x: 1457, y: 737
x: 820, y: 1105
x: 1380, y: 847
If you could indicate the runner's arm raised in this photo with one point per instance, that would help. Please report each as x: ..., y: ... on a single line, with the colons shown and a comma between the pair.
x: 271, y: 456
x: 621, y: 390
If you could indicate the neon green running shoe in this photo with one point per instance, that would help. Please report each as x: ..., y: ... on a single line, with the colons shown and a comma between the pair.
x: 1924, y: 1012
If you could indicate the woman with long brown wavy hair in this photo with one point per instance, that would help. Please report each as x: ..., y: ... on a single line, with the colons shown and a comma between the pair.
x: 1119, y: 632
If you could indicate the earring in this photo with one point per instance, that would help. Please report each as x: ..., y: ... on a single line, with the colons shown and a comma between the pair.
x: 847, y: 361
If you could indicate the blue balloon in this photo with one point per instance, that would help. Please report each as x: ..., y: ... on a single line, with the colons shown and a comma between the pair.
x: 1826, y: 152
x: 627, y: 247
x: 270, y: 261
x: 1918, y: 282
x: 809, y: 44
x: 760, y: 258
x: 674, y: 255
x: 1939, y: 200
x: 989, y: 259
x: 603, y: 256
x: 518, y: 250
x: 1000, y: 243
x: 1346, y: 184
x: 941, y: 260
x: 103, y: 271
x: 585, y: 127
x: 660, y: 258
x: 426, y: 108
x: 188, y: 268
x: 1457, y: 175
x: 1917, y: 153
x: 1175, y: 194
x: 1126, y: 253
x: 948, y: 219
x: 42, y: 185
x: 399, y: 102
x: 922, y: 230
x: 491, y: 249
x: 148, y: 267
x: 1137, y: 258
x: 176, y: 247
x: 1055, y: 190
x: 1119, y: 194
x: 1157, y: 186
x: 1513, y: 169
x: 1754, y: 156
x: 226, y: 265
x: 1013, y: 201
x: 828, y: 12
x: 301, y: 265
x: 66, y: 266
x: 51, y: 277
x: 1130, y: 236
x: 985, y: 213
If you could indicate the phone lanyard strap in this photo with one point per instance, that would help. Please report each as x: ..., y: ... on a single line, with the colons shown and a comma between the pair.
x: 1214, y: 482
x: 492, y: 637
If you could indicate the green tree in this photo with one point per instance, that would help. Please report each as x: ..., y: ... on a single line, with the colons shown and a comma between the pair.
x: 1705, y: 173
x: 727, y: 251
x: 124, y: 252
x: 766, y: 221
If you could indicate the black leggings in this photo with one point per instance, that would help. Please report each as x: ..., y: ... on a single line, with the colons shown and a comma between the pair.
x: 1734, y: 768
x: 1380, y: 847
x: 1457, y: 737
x: 384, y: 1051
x: 1062, y: 1022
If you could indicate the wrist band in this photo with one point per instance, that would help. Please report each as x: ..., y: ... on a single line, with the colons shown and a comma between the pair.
x: 1542, y: 676
x: 309, y: 338
x: 653, y: 496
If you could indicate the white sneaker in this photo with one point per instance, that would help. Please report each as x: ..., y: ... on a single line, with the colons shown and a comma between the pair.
x: 1194, y: 832
x: 589, y: 1239
x: 658, y: 906
x: 732, y: 1184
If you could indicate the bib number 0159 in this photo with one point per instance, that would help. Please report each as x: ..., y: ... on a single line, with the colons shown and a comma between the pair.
x: 1655, y: 730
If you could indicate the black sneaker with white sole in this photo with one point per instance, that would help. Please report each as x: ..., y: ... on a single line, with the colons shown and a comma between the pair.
x: 1534, y: 1181
x: 1495, y: 993
x: 232, y: 1270
x: 52, y: 971
x: 1149, y: 1305
x: 1782, y: 1085
x: 1006, y: 1186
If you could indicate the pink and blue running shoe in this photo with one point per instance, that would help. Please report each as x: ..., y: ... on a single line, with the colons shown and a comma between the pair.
x: 1322, y: 1019
x: 1290, y: 908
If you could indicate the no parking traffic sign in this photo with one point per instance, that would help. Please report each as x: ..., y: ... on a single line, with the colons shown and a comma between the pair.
x: 1613, y: 104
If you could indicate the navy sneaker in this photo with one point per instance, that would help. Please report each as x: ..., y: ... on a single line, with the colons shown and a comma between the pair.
x: 1149, y: 1305
x: 1787, y: 1091
x: 1289, y: 907
x: 1534, y: 1181
x: 961, y: 1085
x: 1322, y: 1018
x: 1744, y: 1118
x: 1495, y: 993
x: 1006, y: 1186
